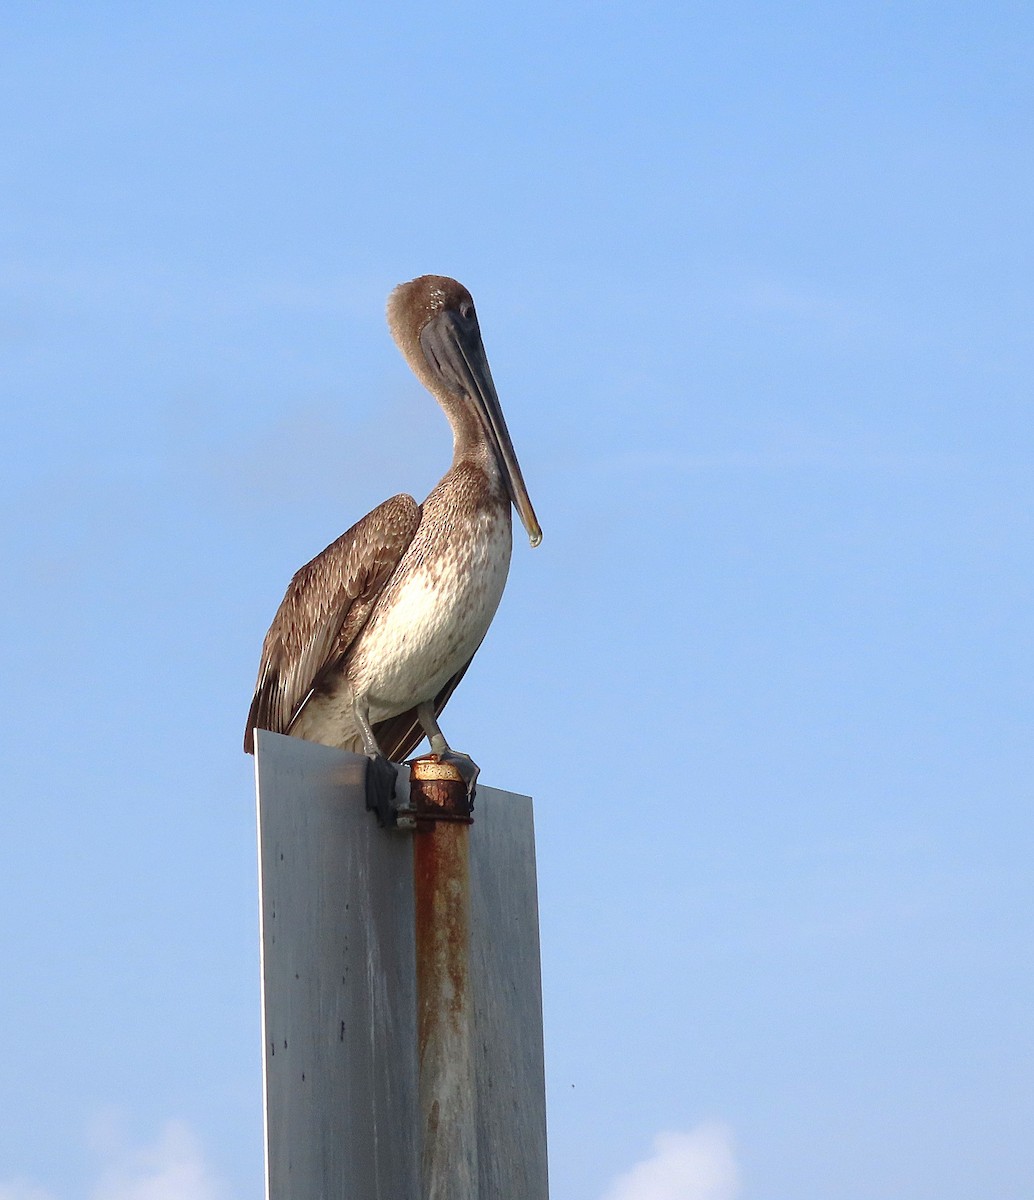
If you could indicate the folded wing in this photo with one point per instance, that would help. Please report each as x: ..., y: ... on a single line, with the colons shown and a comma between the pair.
x: 328, y: 602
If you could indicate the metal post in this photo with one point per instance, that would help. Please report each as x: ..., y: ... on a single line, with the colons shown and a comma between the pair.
x: 441, y: 897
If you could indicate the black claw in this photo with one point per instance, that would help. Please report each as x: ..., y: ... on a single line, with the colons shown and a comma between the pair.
x: 466, y: 767
x: 380, y: 789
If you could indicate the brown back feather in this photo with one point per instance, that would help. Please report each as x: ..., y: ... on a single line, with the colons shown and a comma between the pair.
x: 328, y: 602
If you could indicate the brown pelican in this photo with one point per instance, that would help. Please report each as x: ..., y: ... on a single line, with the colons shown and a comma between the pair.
x: 375, y: 633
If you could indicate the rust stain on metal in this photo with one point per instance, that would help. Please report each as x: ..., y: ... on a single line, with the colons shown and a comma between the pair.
x: 442, y: 893
x: 441, y: 882
x: 437, y: 793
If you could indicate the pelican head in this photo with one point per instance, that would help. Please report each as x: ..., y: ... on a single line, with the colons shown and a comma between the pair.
x: 433, y: 322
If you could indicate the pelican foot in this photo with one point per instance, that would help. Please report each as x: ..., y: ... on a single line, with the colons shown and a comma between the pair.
x: 380, y: 789
x: 466, y: 767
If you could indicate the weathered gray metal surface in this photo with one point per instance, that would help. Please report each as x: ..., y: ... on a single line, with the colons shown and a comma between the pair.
x: 506, y: 981
x: 338, y: 988
x: 339, y: 998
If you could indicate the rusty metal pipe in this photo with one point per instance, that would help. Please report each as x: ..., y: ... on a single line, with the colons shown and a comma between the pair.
x: 445, y: 1046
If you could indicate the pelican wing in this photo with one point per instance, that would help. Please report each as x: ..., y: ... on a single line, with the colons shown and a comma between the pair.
x: 327, y: 604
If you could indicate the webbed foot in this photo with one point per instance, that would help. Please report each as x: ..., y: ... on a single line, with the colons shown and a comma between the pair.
x: 380, y: 789
x: 466, y: 768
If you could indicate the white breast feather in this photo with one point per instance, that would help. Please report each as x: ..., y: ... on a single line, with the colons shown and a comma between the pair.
x: 435, y: 619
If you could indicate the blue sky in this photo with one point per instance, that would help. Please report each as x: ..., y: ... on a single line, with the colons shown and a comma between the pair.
x: 755, y: 284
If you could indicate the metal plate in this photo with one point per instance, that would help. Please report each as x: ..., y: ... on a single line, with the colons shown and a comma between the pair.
x: 339, y: 1002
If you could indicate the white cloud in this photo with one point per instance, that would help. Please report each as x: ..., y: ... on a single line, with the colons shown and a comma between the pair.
x: 173, y: 1167
x: 698, y: 1165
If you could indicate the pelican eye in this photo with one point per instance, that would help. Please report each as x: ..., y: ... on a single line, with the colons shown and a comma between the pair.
x: 467, y: 310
